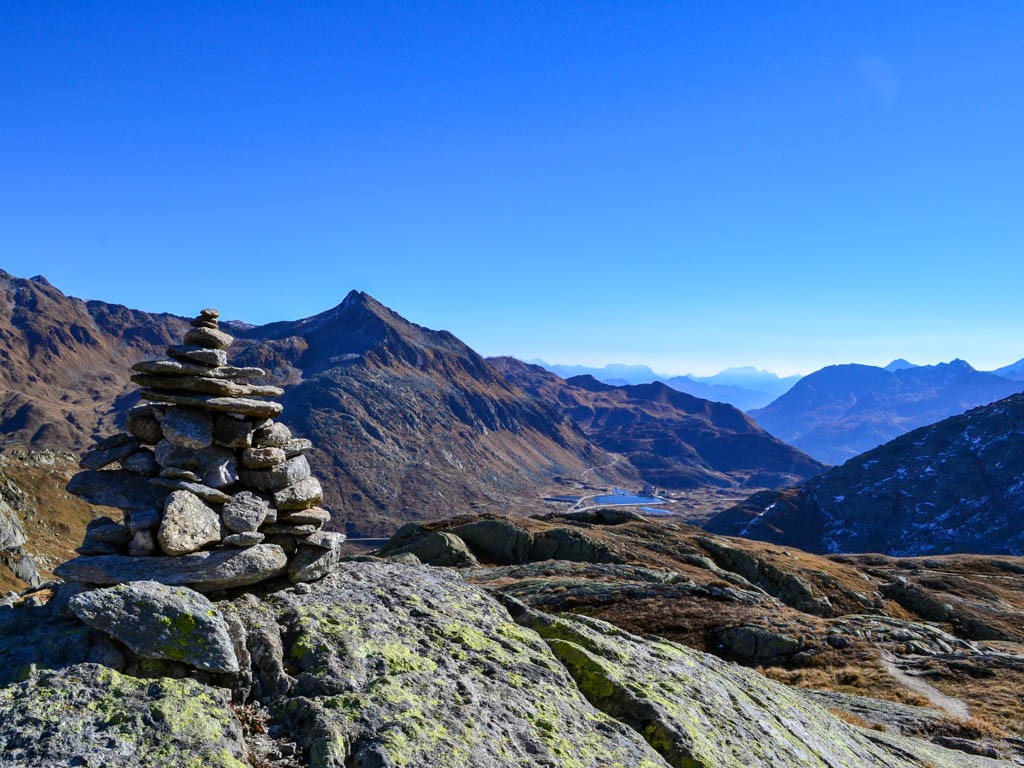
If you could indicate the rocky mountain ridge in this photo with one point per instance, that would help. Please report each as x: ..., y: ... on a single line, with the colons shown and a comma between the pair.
x: 408, y: 422
x: 954, y: 486
x: 673, y: 440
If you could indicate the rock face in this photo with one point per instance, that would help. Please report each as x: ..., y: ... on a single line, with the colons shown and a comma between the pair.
x: 955, y: 486
x: 90, y: 715
x: 198, y: 443
x: 160, y: 622
x: 844, y: 410
x: 207, y: 571
x: 382, y: 664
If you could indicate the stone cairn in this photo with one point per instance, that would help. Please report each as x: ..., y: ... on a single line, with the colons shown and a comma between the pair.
x: 215, y: 493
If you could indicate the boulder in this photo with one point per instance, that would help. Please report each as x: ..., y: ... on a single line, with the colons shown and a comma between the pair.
x: 278, y: 477
x: 274, y: 435
x: 208, y: 571
x: 245, y: 512
x: 438, y: 548
x: 143, y: 543
x: 188, y: 524
x: 160, y: 622
x: 312, y: 516
x: 245, y: 539
x: 303, y: 495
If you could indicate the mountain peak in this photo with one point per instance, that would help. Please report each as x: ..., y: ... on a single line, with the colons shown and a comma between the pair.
x: 899, y: 364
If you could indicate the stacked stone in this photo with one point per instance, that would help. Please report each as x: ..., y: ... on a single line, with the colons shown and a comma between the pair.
x: 221, y: 473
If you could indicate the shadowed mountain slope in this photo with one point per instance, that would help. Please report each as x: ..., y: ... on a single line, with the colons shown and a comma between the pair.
x: 674, y: 440
x: 955, y: 486
x: 843, y: 410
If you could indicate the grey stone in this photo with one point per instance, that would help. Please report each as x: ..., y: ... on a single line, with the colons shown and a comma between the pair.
x: 214, y: 358
x: 299, y: 531
x: 303, y: 495
x: 208, y: 338
x: 142, y: 462
x: 246, y: 539
x: 204, y: 492
x: 276, y: 478
x: 115, y: 488
x: 143, y: 519
x: 218, y: 467
x: 142, y: 543
x: 231, y: 432
x: 439, y: 548
x: 175, y: 473
x: 297, y: 445
x: 142, y: 423
x: 246, y: 511
x: 239, y: 405
x: 312, y: 563
x: 274, y: 435
x: 187, y: 525
x: 207, y: 571
x: 209, y: 313
x: 109, y: 451
x: 261, y: 458
x: 312, y: 516
x: 206, y: 385
x: 181, y: 368
x: 160, y: 622
x: 189, y: 428
x: 322, y: 539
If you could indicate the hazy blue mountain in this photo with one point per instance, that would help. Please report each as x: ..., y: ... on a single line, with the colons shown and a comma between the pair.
x: 1014, y: 371
x: 616, y: 373
x: 736, y: 396
x: 744, y: 388
x: 899, y: 364
x: 843, y: 410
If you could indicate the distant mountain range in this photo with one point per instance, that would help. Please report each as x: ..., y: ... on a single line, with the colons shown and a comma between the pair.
x: 674, y: 440
x: 843, y: 410
x: 954, y: 486
x: 745, y: 387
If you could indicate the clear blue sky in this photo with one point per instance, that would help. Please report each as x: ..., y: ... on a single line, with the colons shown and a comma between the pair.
x: 690, y: 185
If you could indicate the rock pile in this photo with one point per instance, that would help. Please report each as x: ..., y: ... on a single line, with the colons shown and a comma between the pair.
x: 214, y: 492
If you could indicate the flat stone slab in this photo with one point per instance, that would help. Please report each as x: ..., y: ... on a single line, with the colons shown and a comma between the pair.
x: 240, y: 405
x: 204, y: 492
x: 181, y: 368
x: 202, y: 571
x: 206, y: 385
x: 189, y: 353
x: 160, y: 622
